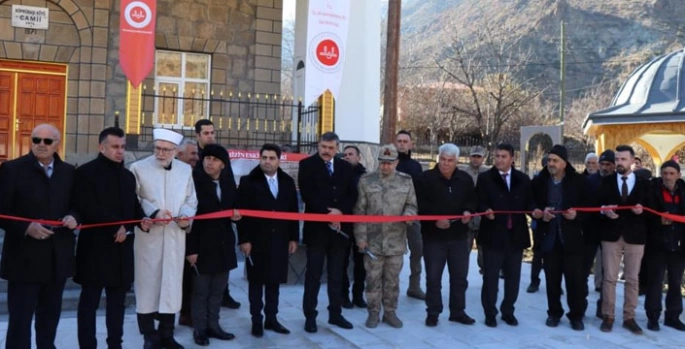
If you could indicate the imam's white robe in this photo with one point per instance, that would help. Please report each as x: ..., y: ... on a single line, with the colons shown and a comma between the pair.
x: 160, y: 254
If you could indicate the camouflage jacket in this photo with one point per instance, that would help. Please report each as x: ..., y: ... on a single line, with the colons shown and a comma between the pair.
x: 391, y: 196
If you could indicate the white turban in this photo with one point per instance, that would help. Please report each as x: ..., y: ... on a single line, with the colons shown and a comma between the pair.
x: 161, y: 134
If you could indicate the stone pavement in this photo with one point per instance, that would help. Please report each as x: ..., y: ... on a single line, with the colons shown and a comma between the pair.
x: 531, y: 332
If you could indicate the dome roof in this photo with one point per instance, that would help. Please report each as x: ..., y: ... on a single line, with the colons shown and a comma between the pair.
x: 653, y: 93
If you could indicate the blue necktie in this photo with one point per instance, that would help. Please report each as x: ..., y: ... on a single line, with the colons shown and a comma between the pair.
x: 329, y: 166
x: 273, y: 186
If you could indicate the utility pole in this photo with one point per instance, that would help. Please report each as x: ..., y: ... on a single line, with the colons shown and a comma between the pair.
x: 392, y: 57
x: 562, y: 82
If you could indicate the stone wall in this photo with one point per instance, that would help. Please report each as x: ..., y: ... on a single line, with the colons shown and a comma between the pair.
x: 242, y: 36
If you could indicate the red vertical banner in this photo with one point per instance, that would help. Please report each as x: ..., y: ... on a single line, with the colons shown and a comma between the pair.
x: 137, y: 38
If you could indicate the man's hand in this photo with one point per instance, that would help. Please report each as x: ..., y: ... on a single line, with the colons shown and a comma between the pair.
x: 335, y: 212
x: 466, y: 218
x: 292, y: 247
x: 637, y: 209
x: 146, y: 224
x: 537, y: 213
x: 362, y: 245
x: 442, y: 224
x: 570, y: 214
x: 163, y: 214
x: 547, y: 215
x: 38, y: 232
x: 611, y: 214
x: 490, y: 214
x: 182, y: 221
x: 70, y: 222
x: 120, y: 236
x: 246, y: 248
x: 236, y: 216
x: 192, y: 259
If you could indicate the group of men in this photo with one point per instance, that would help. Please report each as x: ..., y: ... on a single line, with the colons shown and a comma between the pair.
x: 180, y: 264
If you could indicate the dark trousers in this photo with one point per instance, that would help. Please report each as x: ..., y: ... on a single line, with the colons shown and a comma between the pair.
x: 25, y: 299
x: 334, y: 256
x: 186, y: 297
x: 536, y: 264
x: 589, y: 253
x: 509, y: 262
x: 269, y: 303
x: 359, y: 274
x: 558, y: 264
x: 208, y: 290
x: 454, y: 253
x: 657, y: 264
x: 88, y: 304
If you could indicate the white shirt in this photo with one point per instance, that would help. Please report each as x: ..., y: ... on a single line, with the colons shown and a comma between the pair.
x: 630, y: 181
x: 508, y: 178
x: 48, y: 168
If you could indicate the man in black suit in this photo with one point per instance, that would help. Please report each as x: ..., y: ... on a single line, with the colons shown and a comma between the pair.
x: 205, y: 134
x: 327, y: 187
x: 560, y: 188
x: 36, y: 259
x: 105, y: 191
x: 210, y: 245
x: 267, y: 242
x: 624, y: 233
x: 503, y: 236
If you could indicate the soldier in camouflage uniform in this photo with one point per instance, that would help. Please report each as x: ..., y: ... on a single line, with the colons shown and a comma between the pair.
x: 389, y: 193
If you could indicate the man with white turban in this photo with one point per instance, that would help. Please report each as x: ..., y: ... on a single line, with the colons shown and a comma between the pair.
x: 166, y: 191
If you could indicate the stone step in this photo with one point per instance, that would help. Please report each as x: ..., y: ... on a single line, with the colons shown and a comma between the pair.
x: 70, y: 300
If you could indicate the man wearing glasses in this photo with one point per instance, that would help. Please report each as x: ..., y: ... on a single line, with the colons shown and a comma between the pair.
x: 36, y: 259
x: 166, y: 191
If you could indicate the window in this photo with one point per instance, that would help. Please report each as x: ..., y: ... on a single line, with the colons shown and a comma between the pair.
x: 182, y: 85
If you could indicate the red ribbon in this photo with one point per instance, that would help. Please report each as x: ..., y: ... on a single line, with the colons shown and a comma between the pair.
x: 318, y: 217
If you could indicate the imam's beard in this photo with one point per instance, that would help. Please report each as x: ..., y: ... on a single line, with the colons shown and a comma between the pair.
x: 163, y: 163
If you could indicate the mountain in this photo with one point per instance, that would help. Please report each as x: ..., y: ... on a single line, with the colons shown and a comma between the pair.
x: 606, y: 39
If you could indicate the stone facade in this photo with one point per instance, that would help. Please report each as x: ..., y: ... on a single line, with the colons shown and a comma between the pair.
x: 243, y: 38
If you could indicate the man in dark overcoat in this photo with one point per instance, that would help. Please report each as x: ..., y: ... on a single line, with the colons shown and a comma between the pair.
x: 105, y: 191
x: 36, y: 259
x: 560, y: 188
x: 503, y: 236
x: 267, y: 242
x: 210, y: 245
x: 327, y: 187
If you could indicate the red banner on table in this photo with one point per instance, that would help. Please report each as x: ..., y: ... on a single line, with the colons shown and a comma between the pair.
x: 137, y: 21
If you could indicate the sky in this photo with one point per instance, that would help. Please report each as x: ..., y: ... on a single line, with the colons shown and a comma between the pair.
x: 289, y: 9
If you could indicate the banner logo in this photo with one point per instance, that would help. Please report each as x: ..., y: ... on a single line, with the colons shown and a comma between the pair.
x: 138, y: 14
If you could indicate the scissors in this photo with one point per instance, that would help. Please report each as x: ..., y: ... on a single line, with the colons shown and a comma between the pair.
x: 371, y: 255
x: 339, y: 231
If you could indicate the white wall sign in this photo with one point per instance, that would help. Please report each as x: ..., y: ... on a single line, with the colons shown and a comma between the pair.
x: 30, y: 17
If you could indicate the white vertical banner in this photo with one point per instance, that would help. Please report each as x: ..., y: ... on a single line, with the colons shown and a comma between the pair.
x: 327, y: 29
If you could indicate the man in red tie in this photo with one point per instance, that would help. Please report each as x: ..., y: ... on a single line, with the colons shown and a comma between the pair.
x: 503, y: 236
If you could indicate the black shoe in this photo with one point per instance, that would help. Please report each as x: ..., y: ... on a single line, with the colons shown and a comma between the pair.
x: 674, y: 323
x: 462, y: 319
x: 200, y: 338
x: 218, y: 333
x: 257, y: 329
x: 229, y: 302
x: 340, y: 322
x: 653, y: 325
x: 490, y: 321
x: 533, y: 287
x: 552, y: 321
x: 577, y: 325
x: 431, y: 321
x: 347, y: 304
x: 152, y: 343
x: 276, y: 327
x: 310, y: 325
x: 170, y: 343
x: 510, y: 320
x: 360, y: 303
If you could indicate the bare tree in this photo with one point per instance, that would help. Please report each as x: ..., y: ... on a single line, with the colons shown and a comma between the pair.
x: 287, y: 57
x: 592, y: 99
x: 490, y: 64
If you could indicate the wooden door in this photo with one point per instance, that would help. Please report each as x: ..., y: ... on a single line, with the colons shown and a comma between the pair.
x: 40, y: 100
x: 6, y: 114
x: 31, y: 93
